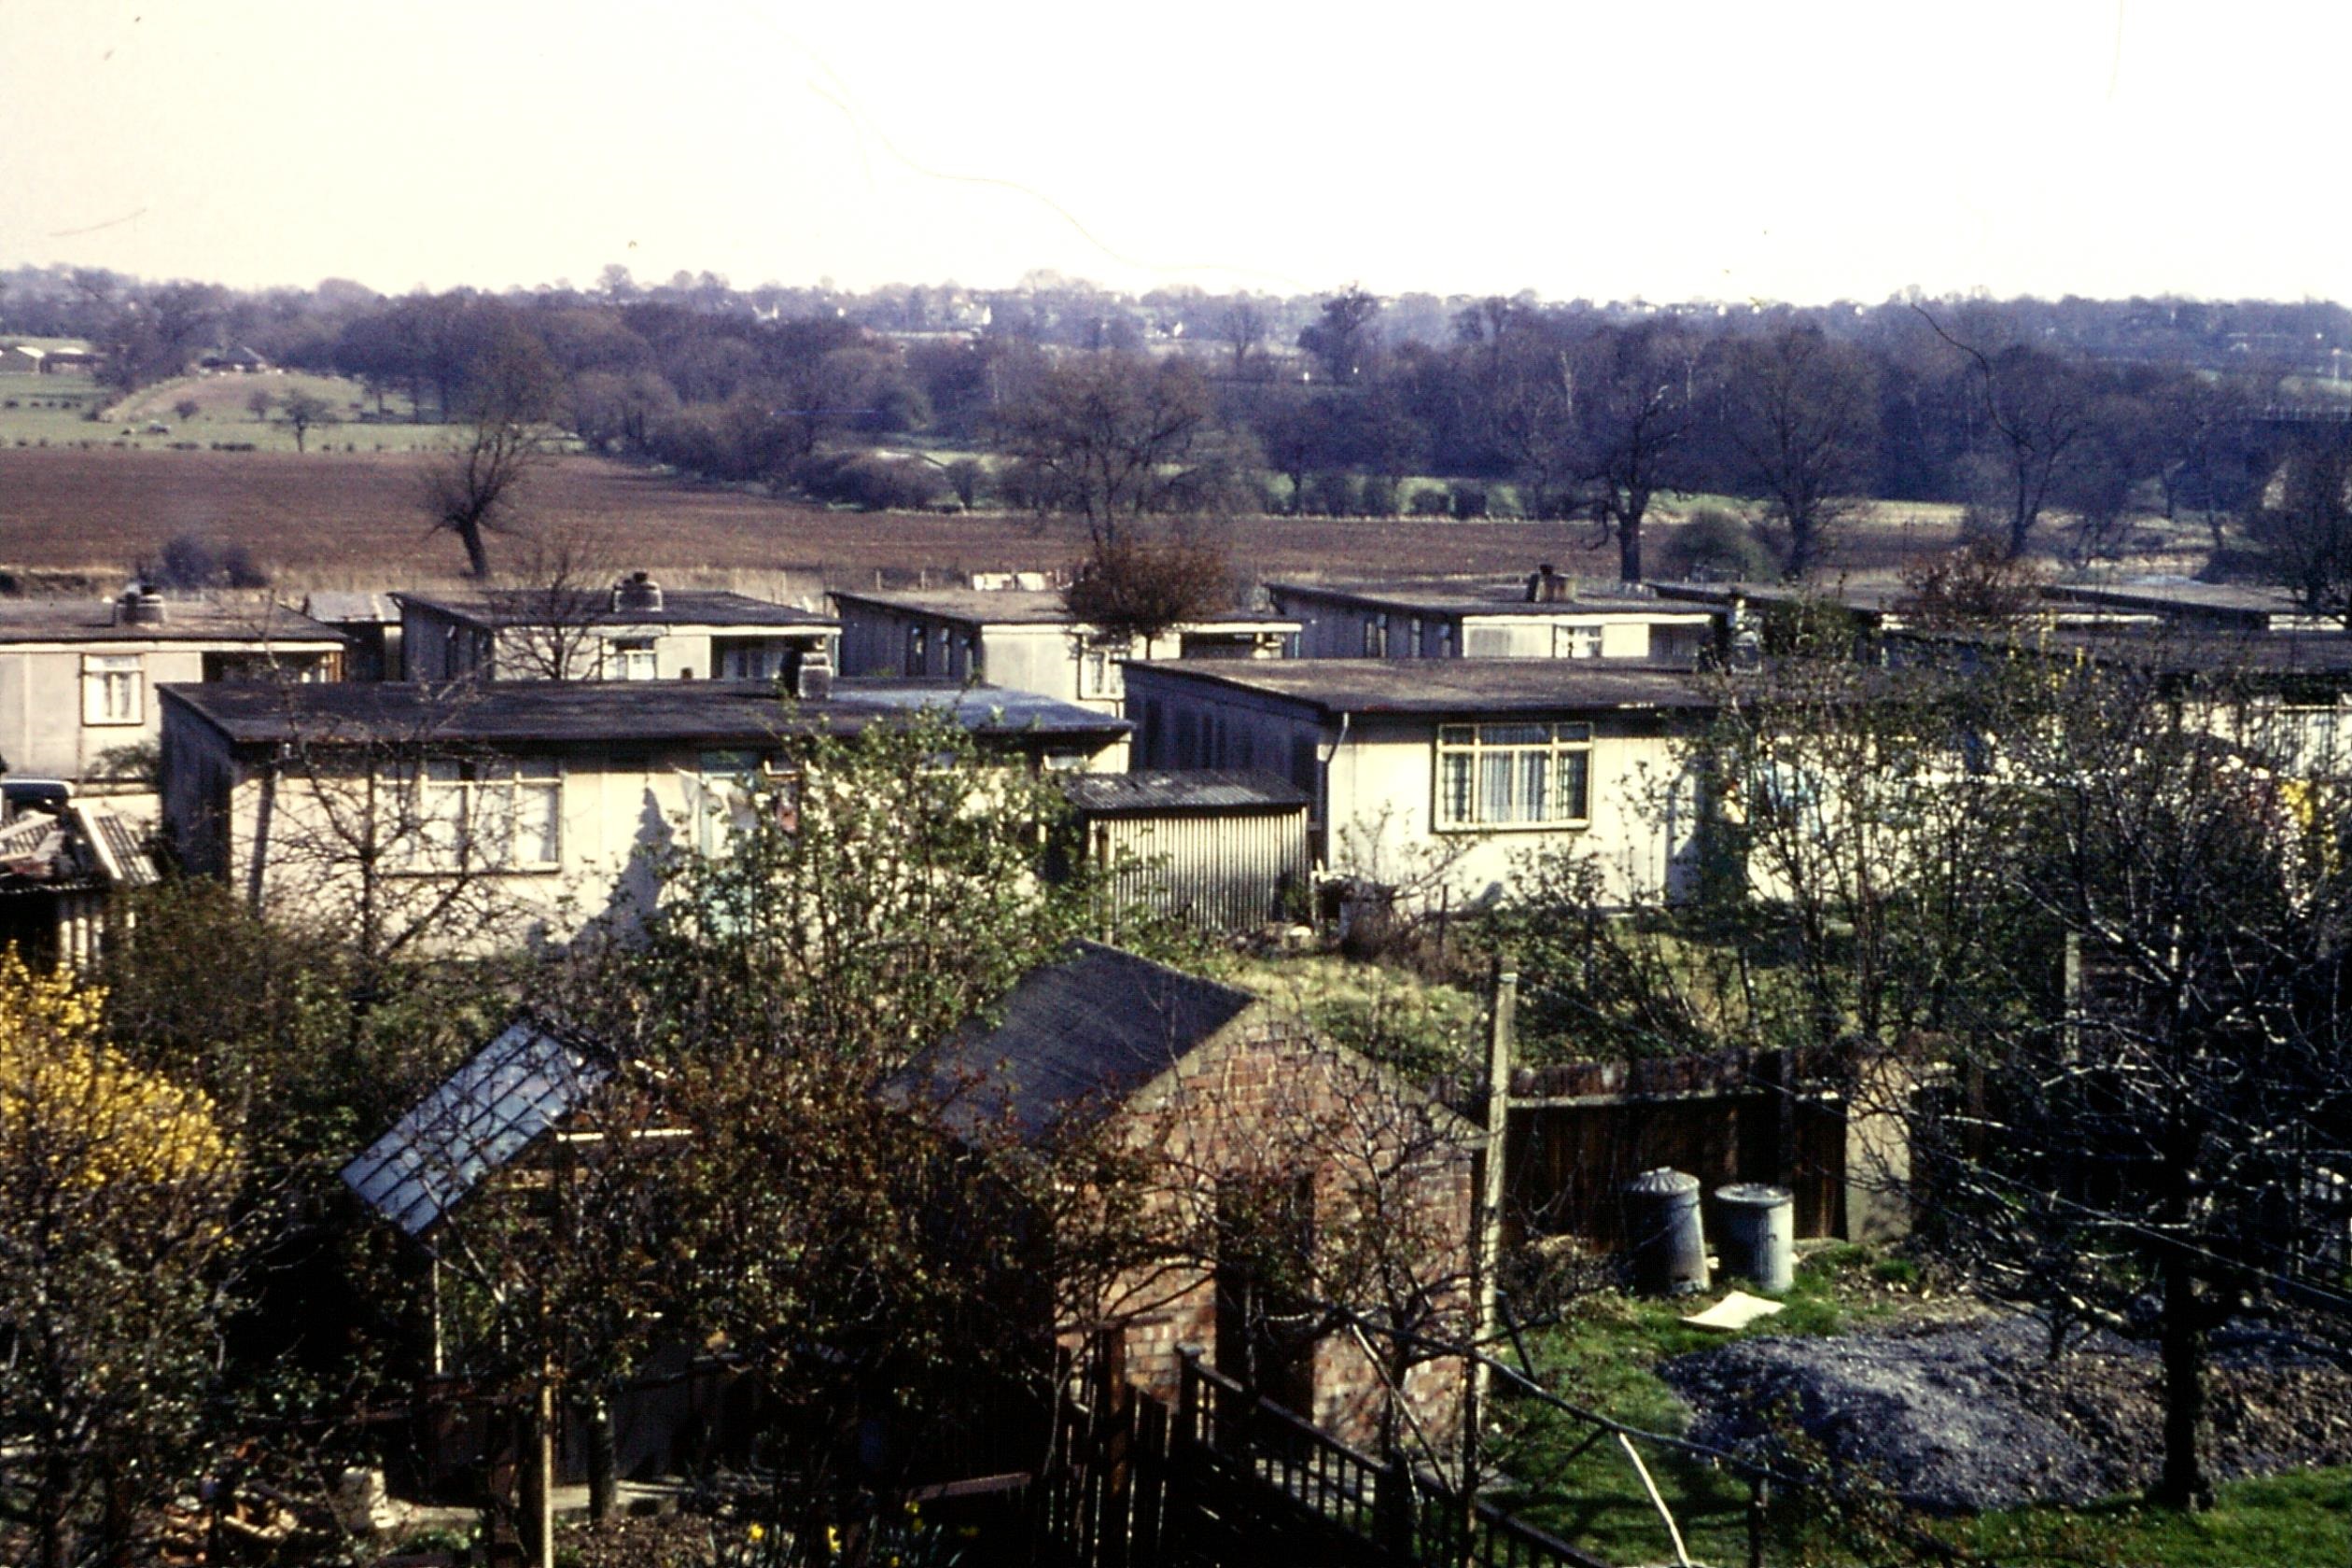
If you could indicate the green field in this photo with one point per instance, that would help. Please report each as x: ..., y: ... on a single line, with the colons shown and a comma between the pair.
x: 53, y: 411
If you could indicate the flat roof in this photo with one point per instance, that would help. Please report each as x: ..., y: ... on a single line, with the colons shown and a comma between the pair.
x: 611, y: 714
x: 1862, y: 598
x: 1464, y: 596
x: 345, y: 609
x: 2170, y: 649
x: 1448, y: 686
x: 183, y: 621
x: 1026, y: 606
x: 1103, y: 794
x: 2178, y: 595
x: 681, y: 607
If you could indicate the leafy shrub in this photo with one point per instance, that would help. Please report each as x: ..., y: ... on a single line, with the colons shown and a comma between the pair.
x: 1713, y: 546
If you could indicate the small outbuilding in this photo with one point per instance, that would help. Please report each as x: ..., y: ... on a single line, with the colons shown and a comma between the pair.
x: 1221, y: 852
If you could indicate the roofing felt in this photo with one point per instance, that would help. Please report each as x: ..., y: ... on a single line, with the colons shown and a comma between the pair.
x: 1457, y: 595
x: 1075, y: 1038
x: 1114, y: 793
x: 2180, y: 596
x: 351, y: 609
x: 1862, y: 598
x: 2170, y: 649
x: 183, y: 621
x: 513, y: 1091
x: 611, y: 712
x: 1021, y: 607
x: 1446, y: 686
x: 679, y: 607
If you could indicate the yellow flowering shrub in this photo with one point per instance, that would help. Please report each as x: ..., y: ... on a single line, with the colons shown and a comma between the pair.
x: 77, y: 1107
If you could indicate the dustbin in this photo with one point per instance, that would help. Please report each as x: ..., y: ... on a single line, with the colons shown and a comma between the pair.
x: 1662, y: 1225
x: 1759, y: 1234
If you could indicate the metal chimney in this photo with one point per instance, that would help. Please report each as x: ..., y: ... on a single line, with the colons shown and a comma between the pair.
x: 140, y: 605
x: 813, y: 680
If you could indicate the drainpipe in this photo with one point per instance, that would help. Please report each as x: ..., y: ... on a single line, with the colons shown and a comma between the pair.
x: 1322, y: 784
x: 267, y: 809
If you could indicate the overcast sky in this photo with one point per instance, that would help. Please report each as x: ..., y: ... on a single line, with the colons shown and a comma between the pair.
x: 1802, y: 152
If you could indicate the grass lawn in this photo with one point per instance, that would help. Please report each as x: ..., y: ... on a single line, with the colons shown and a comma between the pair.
x: 1601, y: 1356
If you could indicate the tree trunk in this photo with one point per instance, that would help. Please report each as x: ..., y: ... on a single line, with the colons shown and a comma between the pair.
x: 1630, y: 549
x: 2183, y: 1484
x: 477, y: 556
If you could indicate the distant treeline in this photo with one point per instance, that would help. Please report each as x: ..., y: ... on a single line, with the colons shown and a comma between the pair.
x: 1329, y: 404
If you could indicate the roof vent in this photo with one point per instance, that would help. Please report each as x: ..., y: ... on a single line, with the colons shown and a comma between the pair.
x: 140, y: 605
x: 638, y: 591
x: 1546, y: 587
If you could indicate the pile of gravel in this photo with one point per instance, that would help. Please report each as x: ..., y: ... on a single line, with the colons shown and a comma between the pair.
x: 1965, y: 1416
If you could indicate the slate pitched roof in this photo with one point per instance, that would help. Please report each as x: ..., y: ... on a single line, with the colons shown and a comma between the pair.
x: 1075, y: 1038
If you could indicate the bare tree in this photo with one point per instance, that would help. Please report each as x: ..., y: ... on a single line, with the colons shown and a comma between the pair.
x: 1242, y: 329
x: 2304, y: 536
x: 558, y: 603
x: 473, y: 489
x: 2039, y: 410
x: 1106, y: 436
x: 1801, y: 411
x: 305, y: 409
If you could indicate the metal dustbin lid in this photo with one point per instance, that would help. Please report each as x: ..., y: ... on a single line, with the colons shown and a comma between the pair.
x: 1664, y: 1182
x: 1754, y: 1195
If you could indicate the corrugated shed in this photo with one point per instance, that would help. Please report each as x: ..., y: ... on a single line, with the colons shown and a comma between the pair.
x: 514, y: 1090
x: 1222, y: 872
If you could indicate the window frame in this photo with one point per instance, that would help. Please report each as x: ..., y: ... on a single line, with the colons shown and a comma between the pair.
x: 621, y: 654
x: 1577, y: 642
x: 466, y: 850
x: 99, y: 675
x: 1566, y: 749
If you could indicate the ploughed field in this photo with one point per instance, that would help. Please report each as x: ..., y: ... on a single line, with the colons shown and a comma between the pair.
x: 334, y: 519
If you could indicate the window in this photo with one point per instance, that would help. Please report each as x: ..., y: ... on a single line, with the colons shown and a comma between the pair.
x: 1576, y: 642
x: 496, y: 813
x: 915, y: 649
x: 1413, y: 637
x: 114, y: 689
x: 629, y: 659
x: 1376, y: 637
x: 1513, y: 776
x: 1101, y: 671
x: 750, y: 661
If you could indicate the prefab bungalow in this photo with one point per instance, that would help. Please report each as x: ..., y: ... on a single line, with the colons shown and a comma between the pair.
x: 635, y: 630
x: 1544, y: 616
x: 544, y: 798
x: 76, y: 676
x: 1432, y: 778
x: 1027, y: 640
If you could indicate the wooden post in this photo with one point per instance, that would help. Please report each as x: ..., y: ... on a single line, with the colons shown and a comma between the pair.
x: 1759, y: 1495
x: 1487, y: 1245
x: 538, y: 1476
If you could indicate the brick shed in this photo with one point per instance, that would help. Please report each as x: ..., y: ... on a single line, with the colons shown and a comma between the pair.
x: 1294, y: 1177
